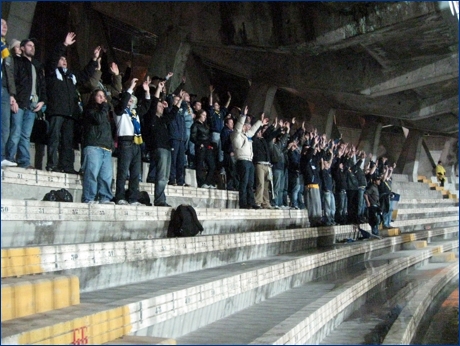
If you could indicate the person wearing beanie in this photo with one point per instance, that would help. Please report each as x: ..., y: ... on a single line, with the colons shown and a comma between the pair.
x: 8, y: 92
x: 15, y: 49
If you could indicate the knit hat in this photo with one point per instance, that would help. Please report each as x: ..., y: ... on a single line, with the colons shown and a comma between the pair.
x: 14, y: 43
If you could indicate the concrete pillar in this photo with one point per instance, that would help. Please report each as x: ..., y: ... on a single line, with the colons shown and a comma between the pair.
x: 329, y: 122
x: 20, y: 17
x: 180, y: 61
x: 170, y: 52
x: 370, y: 136
x: 408, y: 161
x: 260, y: 99
x: 449, y: 156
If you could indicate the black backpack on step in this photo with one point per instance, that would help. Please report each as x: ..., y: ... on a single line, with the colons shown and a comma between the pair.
x: 61, y: 195
x: 184, y: 222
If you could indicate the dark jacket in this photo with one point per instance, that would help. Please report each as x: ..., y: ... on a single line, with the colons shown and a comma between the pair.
x: 340, y: 179
x: 177, y: 126
x: 260, y: 145
x: 23, y: 81
x: 97, y: 129
x: 62, y: 94
x: 200, y: 134
x: 226, y: 141
x: 309, y: 166
x: 155, y: 129
x: 8, y: 75
x: 216, y: 119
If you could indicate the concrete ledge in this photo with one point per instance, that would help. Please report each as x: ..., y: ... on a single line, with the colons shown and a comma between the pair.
x: 35, y: 294
x: 415, y: 245
x: 443, y: 257
x: 18, y: 183
x: 403, y: 329
x: 392, y: 232
x: 26, y: 223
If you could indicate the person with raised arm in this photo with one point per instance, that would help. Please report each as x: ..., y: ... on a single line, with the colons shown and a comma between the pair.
x: 242, y: 145
x: 62, y: 108
x: 129, y: 143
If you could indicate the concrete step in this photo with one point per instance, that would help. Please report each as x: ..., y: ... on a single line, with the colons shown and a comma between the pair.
x: 415, y: 245
x: 443, y: 257
x: 31, y: 295
x: 32, y: 184
x: 402, y: 330
x: 108, y: 314
x: 190, y: 175
x: 26, y: 223
x: 407, y: 214
x: 141, y: 340
x: 425, y: 203
x: 370, y: 323
x: 400, y: 177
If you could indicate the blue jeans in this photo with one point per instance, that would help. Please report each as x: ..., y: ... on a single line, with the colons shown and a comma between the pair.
x: 216, y: 139
x: 329, y: 206
x: 6, y: 120
x: 387, y: 216
x: 245, y: 171
x: 97, y: 179
x: 162, y: 159
x: 18, y: 144
x: 177, y: 173
x: 129, y: 162
x: 294, y: 188
x: 361, y: 203
x: 341, y: 206
x: 278, y: 186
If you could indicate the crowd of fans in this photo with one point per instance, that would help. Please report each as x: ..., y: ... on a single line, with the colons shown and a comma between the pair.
x: 272, y: 164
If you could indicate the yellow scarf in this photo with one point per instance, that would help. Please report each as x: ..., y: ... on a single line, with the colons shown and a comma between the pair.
x: 5, y: 50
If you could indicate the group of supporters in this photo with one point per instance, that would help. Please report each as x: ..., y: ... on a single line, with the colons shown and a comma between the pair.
x: 272, y: 164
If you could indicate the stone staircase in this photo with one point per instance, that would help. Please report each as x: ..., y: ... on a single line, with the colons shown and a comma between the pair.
x: 74, y: 273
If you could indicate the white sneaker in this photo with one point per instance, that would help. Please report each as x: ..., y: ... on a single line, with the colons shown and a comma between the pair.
x: 122, y: 202
x: 107, y: 202
x: 205, y: 186
x: 136, y: 204
x: 7, y: 163
x: 212, y: 187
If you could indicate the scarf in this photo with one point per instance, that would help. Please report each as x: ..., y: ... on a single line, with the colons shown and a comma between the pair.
x: 67, y: 75
x: 137, y: 126
x: 4, y: 49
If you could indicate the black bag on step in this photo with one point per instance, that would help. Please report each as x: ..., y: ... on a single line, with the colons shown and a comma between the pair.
x: 61, y: 195
x: 184, y: 222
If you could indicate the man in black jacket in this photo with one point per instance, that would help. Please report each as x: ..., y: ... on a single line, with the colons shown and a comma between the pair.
x: 157, y: 141
x: 29, y: 79
x: 63, y: 105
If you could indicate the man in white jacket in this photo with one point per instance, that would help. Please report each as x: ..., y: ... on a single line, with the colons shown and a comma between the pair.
x: 241, y: 139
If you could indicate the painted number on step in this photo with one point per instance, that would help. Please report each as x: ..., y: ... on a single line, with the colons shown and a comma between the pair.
x: 4, y: 209
x: 50, y: 179
x: 19, y: 175
x: 79, y: 336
